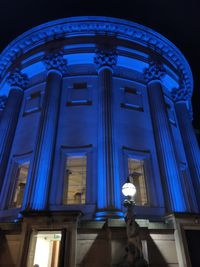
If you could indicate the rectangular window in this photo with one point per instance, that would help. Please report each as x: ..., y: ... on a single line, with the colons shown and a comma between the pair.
x: 75, y: 179
x: 20, y: 184
x: 136, y: 167
x: 79, y: 94
x: 33, y: 103
x: 82, y: 85
x: 132, y: 99
x: 44, y: 249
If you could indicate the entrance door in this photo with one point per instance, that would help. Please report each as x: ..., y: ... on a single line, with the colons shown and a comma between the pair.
x: 44, y: 249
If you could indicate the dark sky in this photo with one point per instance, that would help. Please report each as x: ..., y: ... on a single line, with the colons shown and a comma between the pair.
x: 177, y: 20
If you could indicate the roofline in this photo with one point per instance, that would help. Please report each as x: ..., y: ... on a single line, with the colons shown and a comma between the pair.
x: 66, y: 26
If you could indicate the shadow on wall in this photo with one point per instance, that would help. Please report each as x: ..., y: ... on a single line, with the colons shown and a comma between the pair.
x: 8, y: 255
x: 94, y: 249
x: 162, y: 252
x: 107, y: 248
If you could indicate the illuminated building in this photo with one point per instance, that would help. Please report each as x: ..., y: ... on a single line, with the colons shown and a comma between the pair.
x: 89, y: 101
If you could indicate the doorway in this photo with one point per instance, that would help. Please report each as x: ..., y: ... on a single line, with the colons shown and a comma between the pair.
x: 44, y: 249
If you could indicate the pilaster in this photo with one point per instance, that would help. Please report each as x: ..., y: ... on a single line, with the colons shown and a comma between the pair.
x: 18, y: 82
x: 108, y: 183
x: 189, y: 139
x: 43, y: 158
x: 164, y: 141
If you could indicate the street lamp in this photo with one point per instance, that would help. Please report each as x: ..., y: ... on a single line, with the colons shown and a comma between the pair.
x: 134, y: 256
x: 129, y: 191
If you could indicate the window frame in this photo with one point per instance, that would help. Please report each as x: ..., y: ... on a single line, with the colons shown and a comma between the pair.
x: 138, y: 199
x: 79, y: 151
x: 66, y: 179
x: 145, y: 156
x: 13, y: 179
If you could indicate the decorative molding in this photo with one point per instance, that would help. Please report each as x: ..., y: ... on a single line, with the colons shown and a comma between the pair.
x: 105, y: 57
x: 18, y: 79
x: 3, y: 100
x: 56, y: 61
x: 181, y: 94
x: 93, y: 26
x: 155, y: 71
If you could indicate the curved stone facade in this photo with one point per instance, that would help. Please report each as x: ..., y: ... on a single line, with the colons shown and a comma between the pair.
x: 91, y: 100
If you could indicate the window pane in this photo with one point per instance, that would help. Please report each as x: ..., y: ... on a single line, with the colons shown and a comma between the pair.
x: 137, y: 167
x: 75, y: 180
x: 20, y: 183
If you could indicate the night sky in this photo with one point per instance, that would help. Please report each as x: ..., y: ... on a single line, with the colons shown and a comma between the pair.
x: 177, y: 20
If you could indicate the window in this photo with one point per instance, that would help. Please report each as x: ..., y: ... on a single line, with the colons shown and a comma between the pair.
x: 75, y: 179
x: 132, y: 99
x: 44, y: 249
x: 136, y: 167
x: 80, y: 85
x: 20, y: 178
x: 33, y: 103
x: 79, y: 94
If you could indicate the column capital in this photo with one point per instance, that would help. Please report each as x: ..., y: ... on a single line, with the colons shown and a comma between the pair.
x: 155, y: 71
x: 105, y: 57
x: 3, y: 100
x: 181, y: 93
x: 18, y: 79
x: 56, y: 61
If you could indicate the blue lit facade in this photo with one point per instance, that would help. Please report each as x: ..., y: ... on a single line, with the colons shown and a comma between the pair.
x: 108, y: 90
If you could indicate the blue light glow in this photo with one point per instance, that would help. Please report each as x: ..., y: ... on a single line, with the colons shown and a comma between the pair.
x: 169, y: 82
x: 34, y: 69
x: 5, y: 89
x: 131, y: 63
x: 80, y: 58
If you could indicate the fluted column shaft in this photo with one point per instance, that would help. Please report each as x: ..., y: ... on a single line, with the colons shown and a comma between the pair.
x: 43, y: 156
x: 108, y: 185
x: 9, y: 118
x: 190, y: 144
x: 165, y: 147
x: 105, y: 80
x: 46, y: 140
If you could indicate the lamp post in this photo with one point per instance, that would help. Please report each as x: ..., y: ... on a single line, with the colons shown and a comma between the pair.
x: 134, y: 256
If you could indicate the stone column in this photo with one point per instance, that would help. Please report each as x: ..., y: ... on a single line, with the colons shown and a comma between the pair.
x: 189, y: 139
x: 44, y: 150
x: 164, y: 141
x: 18, y: 82
x: 108, y: 187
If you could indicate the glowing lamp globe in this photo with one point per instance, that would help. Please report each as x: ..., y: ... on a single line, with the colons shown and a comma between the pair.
x: 128, y: 189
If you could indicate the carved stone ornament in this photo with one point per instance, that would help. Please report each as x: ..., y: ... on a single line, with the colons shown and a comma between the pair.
x: 3, y: 100
x: 155, y: 71
x: 63, y: 28
x: 181, y: 93
x: 105, y: 57
x: 56, y: 61
x: 18, y: 79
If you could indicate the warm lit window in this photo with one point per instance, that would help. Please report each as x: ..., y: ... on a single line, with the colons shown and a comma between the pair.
x: 19, y: 185
x: 75, y: 180
x: 44, y: 249
x: 136, y: 169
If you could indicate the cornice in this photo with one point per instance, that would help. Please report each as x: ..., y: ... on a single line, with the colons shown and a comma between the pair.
x: 88, y: 26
